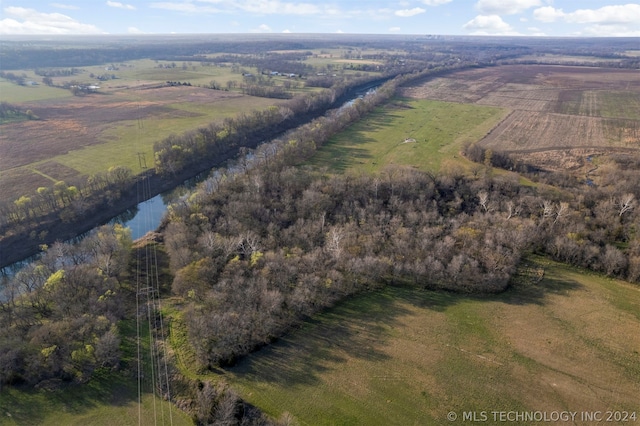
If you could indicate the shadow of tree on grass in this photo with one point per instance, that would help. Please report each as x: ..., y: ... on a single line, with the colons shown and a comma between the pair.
x: 361, y: 327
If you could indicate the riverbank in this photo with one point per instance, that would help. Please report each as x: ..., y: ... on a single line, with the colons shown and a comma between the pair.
x: 27, y: 242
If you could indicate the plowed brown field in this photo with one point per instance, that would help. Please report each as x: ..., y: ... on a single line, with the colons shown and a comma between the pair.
x: 30, y: 151
x: 560, y: 115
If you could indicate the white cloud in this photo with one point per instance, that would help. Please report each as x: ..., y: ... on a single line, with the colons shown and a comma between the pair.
x: 394, y: 29
x: 607, y: 21
x: 616, y: 14
x: 64, y: 6
x: 537, y: 32
x: 29, y: 21
x: 264, y: 28
x: 406, y: 13
x: 598, y: 30
x: 489, y: 25
x: 134, y: 30
x: 502, y: 7
x: 256, y: 7
x: 286, y: 32
x: 119, y: 5
x: 328, y: 10
x: 184, y: 7
x: 435, y: 2
x: 268, y: 7
x: 548, y: 14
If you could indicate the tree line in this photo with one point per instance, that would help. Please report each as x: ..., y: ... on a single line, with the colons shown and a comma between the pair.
x: 13, y: 112
x: 260, y: 247
x: 255, y: 253
x: 31, y: 215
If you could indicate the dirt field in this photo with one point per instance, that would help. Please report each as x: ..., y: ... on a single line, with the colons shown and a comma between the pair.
x: 30, y: 151
x: 560, y: 113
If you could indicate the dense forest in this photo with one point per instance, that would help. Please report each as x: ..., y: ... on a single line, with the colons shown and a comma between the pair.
x: 256, y: 252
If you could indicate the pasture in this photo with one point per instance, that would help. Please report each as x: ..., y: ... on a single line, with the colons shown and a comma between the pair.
x: 404, y: 356
x: 105, y: 401
x: 78, y: 136
x: 423, y: 134
x: 560, y: 114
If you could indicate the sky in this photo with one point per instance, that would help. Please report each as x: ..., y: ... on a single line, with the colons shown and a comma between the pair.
x: 553, y: 18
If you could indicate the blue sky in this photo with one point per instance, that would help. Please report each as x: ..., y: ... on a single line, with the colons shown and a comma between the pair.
x: 453, y: 17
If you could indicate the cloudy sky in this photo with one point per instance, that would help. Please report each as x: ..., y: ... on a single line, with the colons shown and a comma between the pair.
x: 457, y: 17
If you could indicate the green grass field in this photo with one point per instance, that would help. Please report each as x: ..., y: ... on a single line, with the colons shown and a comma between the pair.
x: 423, y: 134
x: 620, y: 105
x: 124, y: 140
x: 409, y: 357
x: 14, y: 94
x: 106, y: 400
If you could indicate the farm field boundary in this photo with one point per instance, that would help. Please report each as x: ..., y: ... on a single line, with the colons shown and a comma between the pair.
x: 87, y: 135
x: 419, y: 133
x: 555, y: 108
x: 405, y: 356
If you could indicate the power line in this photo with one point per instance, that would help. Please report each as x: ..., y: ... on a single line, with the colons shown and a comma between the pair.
x: 148, y: 290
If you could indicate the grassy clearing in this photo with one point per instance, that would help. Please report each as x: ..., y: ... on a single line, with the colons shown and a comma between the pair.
x: 13, y: 93
x: 404, y: 356
x: 110, y: 399
x: 124, y: 140
x: 424, y: 134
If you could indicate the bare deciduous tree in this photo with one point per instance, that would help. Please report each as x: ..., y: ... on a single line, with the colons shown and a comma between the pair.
x: 626, y: 203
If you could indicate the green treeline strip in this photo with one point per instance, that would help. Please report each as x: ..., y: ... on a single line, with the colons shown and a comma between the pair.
x: 10, y: 112
x: 30, y: 215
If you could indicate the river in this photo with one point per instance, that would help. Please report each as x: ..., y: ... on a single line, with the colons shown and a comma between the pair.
x: 147, y: 215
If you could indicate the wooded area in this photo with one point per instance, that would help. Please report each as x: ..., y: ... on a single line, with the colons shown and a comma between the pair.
x: 270, y: 241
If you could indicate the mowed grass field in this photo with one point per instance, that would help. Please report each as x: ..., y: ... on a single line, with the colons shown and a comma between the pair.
x: 403, y: 356
x: 424, y: 134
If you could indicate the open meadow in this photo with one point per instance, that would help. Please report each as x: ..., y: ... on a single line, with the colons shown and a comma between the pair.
x: 568, y: 342
x: 562, y: 114
x: 423, y: 134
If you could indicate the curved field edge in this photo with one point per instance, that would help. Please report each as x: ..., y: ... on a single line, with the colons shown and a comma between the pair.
x: 568, y: 342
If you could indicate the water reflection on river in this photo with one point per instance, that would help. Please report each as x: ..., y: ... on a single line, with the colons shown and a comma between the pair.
x: 147, y: 215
